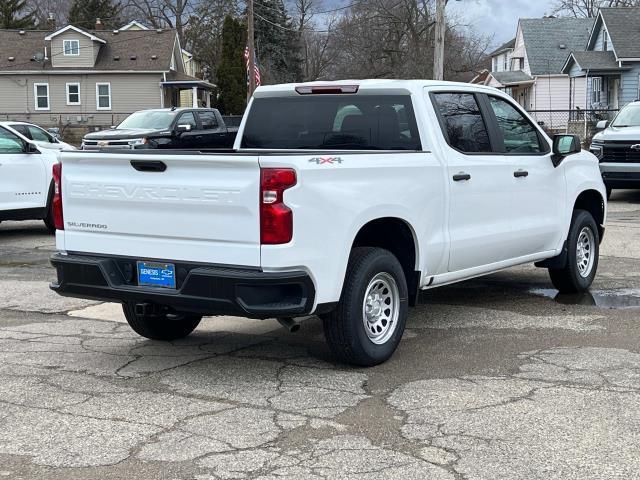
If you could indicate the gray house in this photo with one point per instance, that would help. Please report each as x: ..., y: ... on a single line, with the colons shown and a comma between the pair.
x: 529, y: 67
x: 610, y: 65
x: 92, y: 78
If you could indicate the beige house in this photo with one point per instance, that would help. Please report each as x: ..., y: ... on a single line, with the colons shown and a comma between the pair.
x: 92, y: 78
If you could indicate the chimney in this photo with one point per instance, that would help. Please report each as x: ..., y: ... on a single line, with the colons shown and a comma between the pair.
x: 51, y: 23
x: 99, y: 24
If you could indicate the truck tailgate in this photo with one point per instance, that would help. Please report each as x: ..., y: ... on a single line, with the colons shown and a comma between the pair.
x: 190, y: 207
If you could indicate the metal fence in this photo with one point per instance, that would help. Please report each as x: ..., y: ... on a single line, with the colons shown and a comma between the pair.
x: 578, y: 121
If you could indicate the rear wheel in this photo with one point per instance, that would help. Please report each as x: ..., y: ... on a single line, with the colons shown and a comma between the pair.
x: 368, y: 323
x: 162, y: 325
x: 583, y: 249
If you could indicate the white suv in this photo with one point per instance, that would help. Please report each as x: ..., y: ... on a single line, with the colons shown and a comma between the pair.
x: 26, y: 179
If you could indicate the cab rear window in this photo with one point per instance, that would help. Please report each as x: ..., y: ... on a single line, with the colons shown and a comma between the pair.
x: 341, y: 122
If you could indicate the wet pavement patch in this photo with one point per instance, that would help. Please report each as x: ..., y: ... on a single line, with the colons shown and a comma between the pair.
x: 609, y: 299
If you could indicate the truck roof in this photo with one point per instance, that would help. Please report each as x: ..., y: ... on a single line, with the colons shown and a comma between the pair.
x: 370, y: 85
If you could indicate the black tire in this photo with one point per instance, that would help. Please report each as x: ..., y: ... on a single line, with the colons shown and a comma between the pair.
x: 344, y: 328
x: 569, y: 279
x: 48, y: 220
x: 161, y: 326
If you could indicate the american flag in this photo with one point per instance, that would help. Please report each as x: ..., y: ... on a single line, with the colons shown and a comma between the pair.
x: 255, y: 66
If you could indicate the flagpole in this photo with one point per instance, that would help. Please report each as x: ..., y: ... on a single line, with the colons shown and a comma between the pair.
x: 252, y: 53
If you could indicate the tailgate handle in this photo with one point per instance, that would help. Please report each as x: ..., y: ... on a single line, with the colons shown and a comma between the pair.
x: 149, y: 165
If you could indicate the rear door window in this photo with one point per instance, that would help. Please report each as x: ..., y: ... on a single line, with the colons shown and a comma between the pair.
x: 208, y: 120
x: 340, y: 122
x: 462, y: 123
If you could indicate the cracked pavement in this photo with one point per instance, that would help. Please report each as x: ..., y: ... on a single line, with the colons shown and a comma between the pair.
x: 495, y: 379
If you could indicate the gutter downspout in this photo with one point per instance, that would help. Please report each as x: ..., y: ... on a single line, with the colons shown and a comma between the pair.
x: 586, y: 102
x: 164, y: 79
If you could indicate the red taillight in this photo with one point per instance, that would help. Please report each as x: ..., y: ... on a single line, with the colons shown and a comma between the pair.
x: 276, y: 219
x: 57, y: 197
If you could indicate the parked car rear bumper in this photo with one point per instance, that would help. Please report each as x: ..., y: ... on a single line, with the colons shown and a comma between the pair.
x: 202, y: 289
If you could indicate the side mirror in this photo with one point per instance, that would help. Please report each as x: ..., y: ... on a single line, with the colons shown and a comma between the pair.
x: 541, y: 123
x: 602, y: 124
x: 563, y: 146
x: 183, y: 128
x: 112, y: 127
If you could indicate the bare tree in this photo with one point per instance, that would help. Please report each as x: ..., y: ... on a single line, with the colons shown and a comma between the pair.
x: 43, y: 8
x: 589, y: 8
x: 165, y: 13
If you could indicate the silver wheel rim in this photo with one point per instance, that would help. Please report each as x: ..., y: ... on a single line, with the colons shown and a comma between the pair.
x: 380, y: 308
x: 585, y: 254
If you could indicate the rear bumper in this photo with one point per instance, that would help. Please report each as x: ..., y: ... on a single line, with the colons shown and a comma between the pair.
x: 201, y: 289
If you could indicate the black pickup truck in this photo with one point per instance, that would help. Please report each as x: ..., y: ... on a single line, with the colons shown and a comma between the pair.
x: 169, y: 128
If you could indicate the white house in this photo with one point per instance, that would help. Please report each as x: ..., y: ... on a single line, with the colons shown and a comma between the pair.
x: 535, y: 59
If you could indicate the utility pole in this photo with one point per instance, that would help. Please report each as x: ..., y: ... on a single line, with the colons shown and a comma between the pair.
x: 252, y: 52
x: 438, y: 52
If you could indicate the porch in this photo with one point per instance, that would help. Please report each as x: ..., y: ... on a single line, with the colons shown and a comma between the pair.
x: 600, y: 74
x: 181, y: 90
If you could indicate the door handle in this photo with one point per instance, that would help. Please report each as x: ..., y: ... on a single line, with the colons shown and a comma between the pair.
x: 148, y: 165
x: 520, y: 173
x: 458, y: 177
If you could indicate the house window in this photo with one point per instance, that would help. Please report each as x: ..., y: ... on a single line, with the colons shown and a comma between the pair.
x: 505, y: 64
x: 71, y: 47
x: 103, y: 96
x: 596, y: 87
x: 495, y: 64
x: 41, y: 96
x: 73, y: 94
x: 605, y: 41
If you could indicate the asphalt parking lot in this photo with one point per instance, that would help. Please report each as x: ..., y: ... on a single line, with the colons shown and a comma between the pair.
x: 496, y: 378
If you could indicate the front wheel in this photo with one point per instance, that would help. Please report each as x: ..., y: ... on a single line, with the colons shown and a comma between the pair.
x: 368, y: 323
x: 583, y: 250
x: 162, y: 325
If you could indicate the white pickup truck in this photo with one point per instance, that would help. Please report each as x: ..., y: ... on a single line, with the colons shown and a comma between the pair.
x: 342, y: 200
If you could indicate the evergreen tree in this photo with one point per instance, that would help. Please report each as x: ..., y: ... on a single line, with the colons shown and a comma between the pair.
x: 12, y: 15
x: 83, y: 13
x: 231, y: 76
x: 277, y: 43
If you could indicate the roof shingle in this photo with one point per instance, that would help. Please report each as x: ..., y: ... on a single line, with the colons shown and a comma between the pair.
x: 550, y: 40
x: 623, y: 25
x: 125, y: 45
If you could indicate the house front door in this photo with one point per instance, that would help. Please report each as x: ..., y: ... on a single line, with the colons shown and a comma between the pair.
x: 614, y: 94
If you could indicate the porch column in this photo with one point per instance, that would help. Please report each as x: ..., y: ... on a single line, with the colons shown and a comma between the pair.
x: 194, y: 97
x: 208, y: 99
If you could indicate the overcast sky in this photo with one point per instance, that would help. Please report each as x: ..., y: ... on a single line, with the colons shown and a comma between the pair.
x: 498, y: 17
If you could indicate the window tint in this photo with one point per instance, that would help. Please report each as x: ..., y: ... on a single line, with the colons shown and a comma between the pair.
x: 341, y: 122
x: 188, y: 118
x: 462, y: 122
x: 9, y: 143
x: 39, y: 135
x: 208, y: 120
x: 22, y: 129
x: 519, y: 134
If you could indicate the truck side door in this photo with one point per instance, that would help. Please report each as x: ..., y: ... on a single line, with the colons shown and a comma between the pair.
x: 479, y: 183
x: 22, y: 175
x: 538, y: 188
x: 214, y: 135
x: 190, y: 139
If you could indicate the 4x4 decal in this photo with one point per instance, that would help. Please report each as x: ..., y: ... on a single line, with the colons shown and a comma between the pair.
x: 323, y: 160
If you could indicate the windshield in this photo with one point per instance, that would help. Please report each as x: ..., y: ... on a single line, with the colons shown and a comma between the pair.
x: 629, y: 116
x: 149, y: 119
x: 338, y: 122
